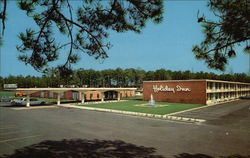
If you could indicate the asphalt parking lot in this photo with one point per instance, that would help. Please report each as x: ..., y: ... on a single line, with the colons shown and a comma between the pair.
x: 234, y: 115
x: 66, y: 132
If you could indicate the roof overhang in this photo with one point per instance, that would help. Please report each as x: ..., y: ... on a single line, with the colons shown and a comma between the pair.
x: 61, y: 90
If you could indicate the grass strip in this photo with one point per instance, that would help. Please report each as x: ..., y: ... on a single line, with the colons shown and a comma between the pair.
x: 132, y: 105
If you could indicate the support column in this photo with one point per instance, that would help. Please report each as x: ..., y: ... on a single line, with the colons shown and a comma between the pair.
x: 118, y: 96
x: 28, y: 100
x: 83, y: 97
x: 214, y: 86
x: 58, y: 98
x: 102, y: 96
x: 213, y: 97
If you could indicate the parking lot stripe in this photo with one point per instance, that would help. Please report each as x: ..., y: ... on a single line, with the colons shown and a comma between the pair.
x: 205, y: 106
x: 8, y: 127
x: 19, y: 138
x: 7, y: 133
x: 11, y: 146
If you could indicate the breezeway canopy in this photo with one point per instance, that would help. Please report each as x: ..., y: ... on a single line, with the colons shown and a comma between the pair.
x: 59, y: 91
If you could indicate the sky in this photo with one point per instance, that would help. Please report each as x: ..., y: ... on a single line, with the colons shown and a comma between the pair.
x: 167, y: 45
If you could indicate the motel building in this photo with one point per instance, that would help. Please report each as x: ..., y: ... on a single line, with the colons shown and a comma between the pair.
x: 201, y: 91
x: 77, y: 94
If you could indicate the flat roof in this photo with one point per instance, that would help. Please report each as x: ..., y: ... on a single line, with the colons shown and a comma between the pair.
x: 33, y: 90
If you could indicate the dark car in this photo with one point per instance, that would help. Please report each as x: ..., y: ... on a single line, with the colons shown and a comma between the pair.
x: 245, y: 97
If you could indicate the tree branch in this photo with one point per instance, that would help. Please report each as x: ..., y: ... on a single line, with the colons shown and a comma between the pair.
x: 44, y: 25
x: 4, y: 15
x: 81, y: 27
x: 47, y: 19
x: 70, y: 11
x: 138, y: 8
x: 228, y: 44
x: 112, y: 7
x: 71, y: 42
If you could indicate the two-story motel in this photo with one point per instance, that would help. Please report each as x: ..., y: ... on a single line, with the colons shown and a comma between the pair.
x: 194, y: 91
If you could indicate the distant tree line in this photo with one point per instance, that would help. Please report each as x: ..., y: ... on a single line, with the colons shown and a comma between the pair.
x: 114, y: 78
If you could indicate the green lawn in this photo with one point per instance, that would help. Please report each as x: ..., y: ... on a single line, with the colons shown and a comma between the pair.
x: 5, y: 93
x: 11, y: 95
x: 134, y: 98
x: 134, y: 106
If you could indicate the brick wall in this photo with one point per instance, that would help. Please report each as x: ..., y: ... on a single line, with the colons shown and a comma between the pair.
x: 96, y: 95
x: 167, y: 91
x: 68, y: 95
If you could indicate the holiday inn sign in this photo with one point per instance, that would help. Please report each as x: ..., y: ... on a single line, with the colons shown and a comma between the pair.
x: 177, y: 88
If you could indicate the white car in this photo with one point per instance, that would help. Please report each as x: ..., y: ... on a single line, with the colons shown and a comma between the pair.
x: 23, y: 101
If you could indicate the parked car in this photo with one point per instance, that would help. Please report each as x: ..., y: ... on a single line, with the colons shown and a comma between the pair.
x: 245, y: 97
x: 5, y: 99
x: 23, y: 101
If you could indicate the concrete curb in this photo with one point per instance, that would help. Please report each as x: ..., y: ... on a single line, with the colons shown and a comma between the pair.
x: 34, y: 107
x: 164, y: 117
x: 101, y: 102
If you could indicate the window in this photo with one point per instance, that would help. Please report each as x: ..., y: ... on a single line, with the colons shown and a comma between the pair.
x: 91, y: 96
x: 209, y: 96
x: 216, y: 96
x: 210, y: 85
x: 216, y: 86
